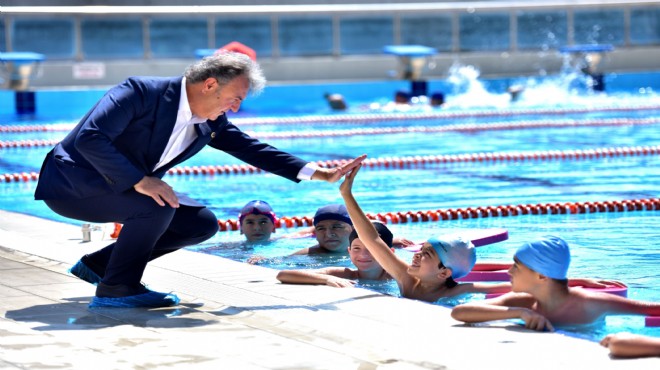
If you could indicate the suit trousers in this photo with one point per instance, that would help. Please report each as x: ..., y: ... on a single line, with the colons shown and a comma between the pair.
x: 149, y: 231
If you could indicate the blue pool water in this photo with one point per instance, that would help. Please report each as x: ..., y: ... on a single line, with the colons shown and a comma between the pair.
x: 622, y: 246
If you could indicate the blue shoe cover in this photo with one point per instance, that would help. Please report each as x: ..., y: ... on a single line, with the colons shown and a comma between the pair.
x: 149, y: 299
x: 81, y: 271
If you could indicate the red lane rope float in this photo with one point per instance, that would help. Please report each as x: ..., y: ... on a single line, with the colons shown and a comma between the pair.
x: 447, y: 114
x: 37, y: 128
x: 468, y: 127
x: 27, y: 143
x: 341, y: 118
x: 19, y: 177
x: 406, y: 162
x: 415, y: 161
x: 650, y: 204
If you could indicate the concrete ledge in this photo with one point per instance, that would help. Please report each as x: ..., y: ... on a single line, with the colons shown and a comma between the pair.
x: 235, y: 315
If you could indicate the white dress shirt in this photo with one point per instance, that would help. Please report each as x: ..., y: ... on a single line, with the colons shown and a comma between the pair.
x: 184, y: 130
x: 184, y: 134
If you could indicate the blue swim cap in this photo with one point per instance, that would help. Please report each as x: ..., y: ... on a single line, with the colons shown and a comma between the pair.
x: 384, y: 233
x: 549, y: 256
x: 455, y: 253
x: 337, y: 212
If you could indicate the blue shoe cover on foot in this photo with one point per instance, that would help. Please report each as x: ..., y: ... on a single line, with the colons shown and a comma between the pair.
x: 81, y: 271
x: 149, y: 299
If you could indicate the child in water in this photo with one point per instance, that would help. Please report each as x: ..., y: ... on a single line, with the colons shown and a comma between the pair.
x: 541, y: 296
x: 631, y: 345
x: 257, y: 221
x: 366, y: 266
x: 433, y: 270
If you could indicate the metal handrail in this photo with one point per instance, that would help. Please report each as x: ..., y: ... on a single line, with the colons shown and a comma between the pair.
x: 320, y: 8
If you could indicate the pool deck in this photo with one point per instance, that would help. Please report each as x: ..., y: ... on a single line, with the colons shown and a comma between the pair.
x: 238, y: 316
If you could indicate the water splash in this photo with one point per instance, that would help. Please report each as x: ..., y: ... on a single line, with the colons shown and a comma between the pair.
x: 570, y: 88
x: 469, y: 91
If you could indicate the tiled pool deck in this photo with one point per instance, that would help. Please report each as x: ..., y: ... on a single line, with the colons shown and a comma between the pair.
x: 237, y: 316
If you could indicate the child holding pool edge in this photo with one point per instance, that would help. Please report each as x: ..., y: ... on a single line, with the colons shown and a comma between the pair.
x: 631, y: 345
x: 434, y: 268
x: 541, y: 296
x: 341, y: 277
x: 427, y: 278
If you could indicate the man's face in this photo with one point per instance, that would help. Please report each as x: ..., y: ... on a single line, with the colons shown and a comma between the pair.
x: 425, y: 263
x: 333, y: 235
x: 217, y: 100
x: 520, y: 276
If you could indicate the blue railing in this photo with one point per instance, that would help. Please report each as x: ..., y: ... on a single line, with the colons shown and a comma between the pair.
x: 162, y: 32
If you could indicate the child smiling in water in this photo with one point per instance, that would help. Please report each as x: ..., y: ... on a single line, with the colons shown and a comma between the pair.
x: 367, y: 267
x: 434, y: 268
x: 541, y: 296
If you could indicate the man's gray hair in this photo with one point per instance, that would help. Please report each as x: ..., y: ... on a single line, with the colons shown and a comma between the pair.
x: 224, y: 67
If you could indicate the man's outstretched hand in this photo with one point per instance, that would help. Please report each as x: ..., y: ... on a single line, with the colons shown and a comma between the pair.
x: 335, y: 174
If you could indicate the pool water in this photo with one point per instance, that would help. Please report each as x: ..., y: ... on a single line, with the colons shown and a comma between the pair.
x: 617, y: 245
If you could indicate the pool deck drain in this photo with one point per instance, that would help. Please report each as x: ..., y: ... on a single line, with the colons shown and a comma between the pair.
x: 238, y: 316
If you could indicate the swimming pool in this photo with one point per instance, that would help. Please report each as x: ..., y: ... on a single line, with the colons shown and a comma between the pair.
x: 586, y: 149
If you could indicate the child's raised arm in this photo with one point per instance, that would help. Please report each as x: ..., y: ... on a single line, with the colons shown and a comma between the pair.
x: 367, y: 233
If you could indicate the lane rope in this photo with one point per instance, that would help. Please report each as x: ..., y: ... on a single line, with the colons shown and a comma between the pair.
x: 405, y: 162
x: 468, y: 127
x: 365, y: 117
x: 408, y: 116
x: 417, y: 161
x: 568, y: 208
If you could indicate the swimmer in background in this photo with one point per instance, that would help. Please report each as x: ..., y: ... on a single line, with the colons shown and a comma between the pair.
x: 336, y: 101
x: 541, y: 295
x: 402, y: 97
x: 437, y: 99
x: 367, y: 267
x: 631, y: 345
x: 515, y: 91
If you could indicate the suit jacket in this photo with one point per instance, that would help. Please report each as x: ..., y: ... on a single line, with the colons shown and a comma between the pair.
x: 121, y: 139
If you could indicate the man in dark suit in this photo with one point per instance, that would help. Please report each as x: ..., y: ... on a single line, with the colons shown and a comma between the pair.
x: 109, y: 169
